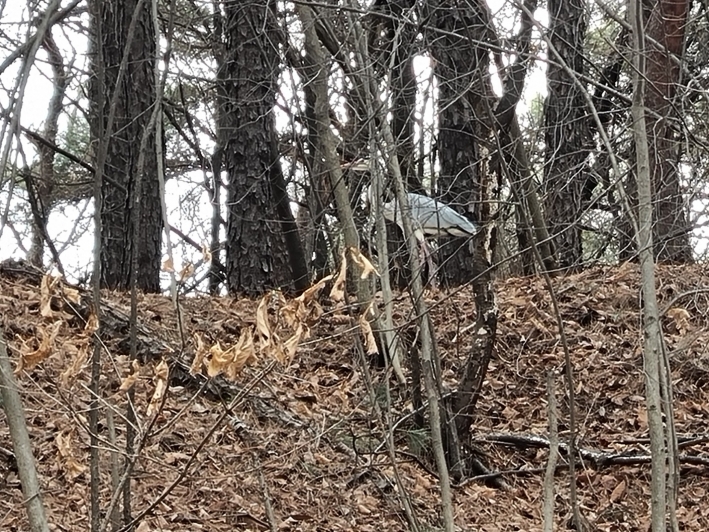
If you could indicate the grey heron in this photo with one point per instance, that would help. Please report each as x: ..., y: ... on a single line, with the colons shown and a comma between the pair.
x: 430, y: 218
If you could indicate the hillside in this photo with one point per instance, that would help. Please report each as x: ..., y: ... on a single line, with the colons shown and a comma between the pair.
x: 304, y: 438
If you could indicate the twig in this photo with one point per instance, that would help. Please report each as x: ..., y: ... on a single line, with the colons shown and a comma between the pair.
x: 548, y: 508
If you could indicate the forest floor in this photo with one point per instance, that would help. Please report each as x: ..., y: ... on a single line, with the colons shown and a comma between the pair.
x: 307, y: 437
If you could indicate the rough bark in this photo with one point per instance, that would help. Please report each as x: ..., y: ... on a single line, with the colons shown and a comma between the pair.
x: 666, y: 26
x: 395, y: 54
x: 136, y: 95
x: 256, y: 255
x: 463, y: 104
x: 531, y: 224
x: 567, y: 131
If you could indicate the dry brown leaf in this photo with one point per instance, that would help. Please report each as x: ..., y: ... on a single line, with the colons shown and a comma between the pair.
x: 219, y: 360
x: 186, y: 272
x: 364, y: 263
x: 370, y: 342
x: 244, y: 353
x: 200, y: 351
x: 311, y: 292
x: 618, y: 491
x: 91, y: 324
x: 160, y: 379
x: 131, y: 379
x: 72, y: 467
x: 46, y: 292
x: 337, y: 292
x: 69, y: 375
x: 292, y: 313
x: 168, y: 266
x: 30, y: 359
x: 232, y: 361
x: 72, y: 294
x: 206, y: 253
x: 680, y: 317
x: 290, y: 346
x: 269, y: 340
x: 263, y: 328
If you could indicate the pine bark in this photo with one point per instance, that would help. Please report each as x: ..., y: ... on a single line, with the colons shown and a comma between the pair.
x: 133, y: 104
x: 567, y: 131
x: 256, y: 254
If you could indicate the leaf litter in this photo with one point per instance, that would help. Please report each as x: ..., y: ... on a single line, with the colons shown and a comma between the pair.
x: 308, y: 427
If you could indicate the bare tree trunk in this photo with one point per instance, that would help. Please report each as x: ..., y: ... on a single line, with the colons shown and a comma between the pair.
x: 666, y: 26
x: 532, y: 228
x: 12, y: 404
x: 429, y: 359
x: 256, y: 255
x: 45, y: 185
x: 567, y: 132
x: 464, y: 124
x: 652, y: 332
x: 315, y: 71
x: 129, y: 63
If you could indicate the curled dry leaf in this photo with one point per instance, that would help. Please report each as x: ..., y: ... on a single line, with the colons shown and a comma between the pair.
x: 263, y: 328
x: 131, y: 379
x: 206, y: 253
x: 65, y: 448
x: 200, y: 351
x: 30, y: 358
x: 269, y: 340
x: 160, y: 378
x: 219, y: 360
x: 311, y: 292
x: 47, y: 290
x: 304, y: 309
x: 370, y: 343
x: 290, y: 346
x: 232, y: 361
x: 72, y: 294
x: 186, y: 272
x: 337, y: 292
x: 91, y: 324
x: 81, y: 355
x: 364, y: 263
x: 168, y: 266
x: 243, y: 354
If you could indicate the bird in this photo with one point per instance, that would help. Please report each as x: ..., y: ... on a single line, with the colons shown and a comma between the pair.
x: 431, y: 217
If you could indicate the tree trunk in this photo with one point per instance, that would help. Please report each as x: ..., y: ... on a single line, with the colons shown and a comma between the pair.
x: 567, y: 133
x: 666, y: 25
x: 133, y: 104
x: 463, y: 106
x: 256, y: 255
x: 11, y: 403
x: 652, y: 327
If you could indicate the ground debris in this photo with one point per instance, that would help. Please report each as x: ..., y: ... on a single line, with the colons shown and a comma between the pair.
x: 309, y: 429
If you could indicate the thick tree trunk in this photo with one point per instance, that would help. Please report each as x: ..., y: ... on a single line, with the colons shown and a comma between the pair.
x: 567, y: 132
x: 666, y: 25
x: 463, y: 106
x: 135, y: 97
x: 256, y: 255
x: 399, y: 44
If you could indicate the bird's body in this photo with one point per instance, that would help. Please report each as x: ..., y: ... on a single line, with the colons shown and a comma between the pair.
x: 433, y: 219
x: 430, y: 217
